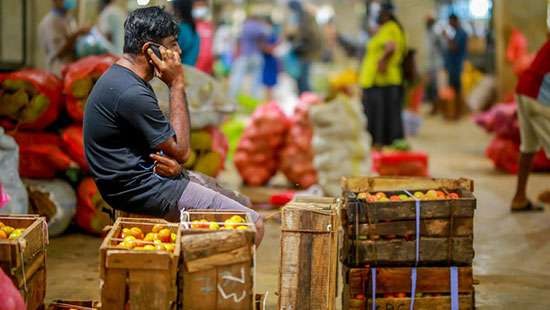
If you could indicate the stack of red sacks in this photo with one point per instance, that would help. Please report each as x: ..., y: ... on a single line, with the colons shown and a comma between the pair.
x: 256, y: 157
x: 297, y: 153
x: 502, y: 120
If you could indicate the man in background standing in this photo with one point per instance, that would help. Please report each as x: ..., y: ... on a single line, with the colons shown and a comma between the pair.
x: 454, y: 63
x: 58, y: 33
x: 111, y: 24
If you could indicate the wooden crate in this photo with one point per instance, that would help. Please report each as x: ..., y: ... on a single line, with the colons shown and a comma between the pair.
x: 74, y: 304
x: 309, y: 254
x: 433, y: 285
x: 218, y: 265
x: 383, y: 233
x: 24, y: 259
x: 138, y: 279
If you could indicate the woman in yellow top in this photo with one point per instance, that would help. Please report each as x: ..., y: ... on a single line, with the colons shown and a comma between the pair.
x: 381, y: 78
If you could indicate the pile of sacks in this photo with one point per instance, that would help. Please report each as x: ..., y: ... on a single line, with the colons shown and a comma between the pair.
x: 340, y: 142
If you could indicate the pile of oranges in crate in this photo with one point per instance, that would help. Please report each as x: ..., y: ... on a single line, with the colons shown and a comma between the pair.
x: 159, y: 238
x: 8, y: 232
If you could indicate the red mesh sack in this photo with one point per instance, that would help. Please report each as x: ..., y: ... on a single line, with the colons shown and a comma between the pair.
x: 79, y: 78
x: 41, y: 155
x: 89, y: 215
x: 504, y: 153
x: 256, y: 155
x: 29, y: 99
x: 73, y: 143
x: 296, y: 157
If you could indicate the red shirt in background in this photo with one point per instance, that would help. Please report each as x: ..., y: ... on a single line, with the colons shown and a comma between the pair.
x: 530, y: 81
x: 205, y: 61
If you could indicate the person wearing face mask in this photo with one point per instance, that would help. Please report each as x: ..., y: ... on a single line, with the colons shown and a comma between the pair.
x: 188, y: 38
x: 205, y: 29
x: 58, y: 33
x: 381, y: 79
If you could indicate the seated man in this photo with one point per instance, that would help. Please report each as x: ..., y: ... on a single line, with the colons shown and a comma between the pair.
x: 134, y: 152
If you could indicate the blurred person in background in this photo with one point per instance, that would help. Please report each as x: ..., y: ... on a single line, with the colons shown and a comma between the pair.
x: 111, y: 24
x: 224, y: 45
x: 270, y: 62
x: 58, y: 33
x: 434, y: 61
x: 533, y: 99
x: 455, y: 55
x: 188, y: 38
x: 305, y: 40
x: 381, y: 78
x: 248, y: 59
x: 205, y: 29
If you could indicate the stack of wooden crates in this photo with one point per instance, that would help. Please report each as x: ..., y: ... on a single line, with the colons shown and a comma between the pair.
x: 24, y: 259
x: 379, y: 243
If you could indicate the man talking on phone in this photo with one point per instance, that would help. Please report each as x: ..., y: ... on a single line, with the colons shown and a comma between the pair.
x: 134, y: 152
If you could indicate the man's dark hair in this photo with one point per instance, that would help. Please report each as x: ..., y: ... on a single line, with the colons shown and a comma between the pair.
x: 453, y: 16
x: 183, y: 10
x: 151, y: 24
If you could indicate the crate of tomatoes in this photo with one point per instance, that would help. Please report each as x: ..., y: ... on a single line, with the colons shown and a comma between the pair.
x: 402, y: 221
x: 139, y: 260
x: 23, y: 242
x: 218, y: 260
x: 392, y: 288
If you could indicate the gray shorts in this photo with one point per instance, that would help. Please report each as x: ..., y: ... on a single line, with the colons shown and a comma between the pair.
x: 534, y: 125
x: 203, y: 193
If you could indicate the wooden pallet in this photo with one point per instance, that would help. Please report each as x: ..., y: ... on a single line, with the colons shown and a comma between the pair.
x: 309, y: 254
x: 433, y: 283
x: 138, y: 279
x: 218, y: 265
x: 24, y: 259
x: 383, y: 233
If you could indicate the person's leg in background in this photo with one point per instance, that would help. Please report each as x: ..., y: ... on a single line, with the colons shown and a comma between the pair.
x: 456, y: 83
x: 373, y: 108
x: 529, y: 145
x: 303, y: 79
x: 238, y: 74
x: 255, y: 66
x: 393, y: 120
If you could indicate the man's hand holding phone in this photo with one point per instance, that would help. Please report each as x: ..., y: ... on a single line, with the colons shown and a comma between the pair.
x: 168, y: 67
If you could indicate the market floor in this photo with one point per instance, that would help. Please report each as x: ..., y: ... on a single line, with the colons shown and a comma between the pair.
x: 512, y: 250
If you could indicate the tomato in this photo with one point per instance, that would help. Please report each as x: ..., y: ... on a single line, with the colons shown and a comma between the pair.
x: 157, y: 228
x: 165, y: 235
x: 3, y: 235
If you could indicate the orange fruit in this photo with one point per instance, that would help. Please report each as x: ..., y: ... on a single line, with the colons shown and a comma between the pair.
x: 125, y: 233
x: 173, y: 237
x: 165, y: 235
x: 150, y: 237
x: 169, y: 247
x: 213, y: 226
x: 136, y: 232
x: 16, y: 233
x: 149, y: 247
x: 8, y: 229
x: 2, y: 224
x: 237, y: 219
x: 242, y: 227
x: 157, y: 228
x: 3, y: 235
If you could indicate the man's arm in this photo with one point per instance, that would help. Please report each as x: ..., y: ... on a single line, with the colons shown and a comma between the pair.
x: 171, y: 72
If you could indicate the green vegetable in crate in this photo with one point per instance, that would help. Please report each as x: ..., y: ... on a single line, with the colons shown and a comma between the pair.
x: 201, y: 140
x: 34, y: 109
x: 81, y: 88
x: 191, y: 160
x: 209, y: 163
x: 11, y: 104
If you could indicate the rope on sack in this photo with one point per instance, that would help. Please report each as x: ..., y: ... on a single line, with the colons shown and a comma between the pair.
x: 454, y: 288
x: 417, y: 248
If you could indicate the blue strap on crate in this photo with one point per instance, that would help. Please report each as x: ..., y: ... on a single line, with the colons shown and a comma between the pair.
x: 454, y: 288
x: 417, y: 248
x: 373, y: 276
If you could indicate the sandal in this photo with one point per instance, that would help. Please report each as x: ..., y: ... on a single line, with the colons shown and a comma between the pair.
x: 529, y: 207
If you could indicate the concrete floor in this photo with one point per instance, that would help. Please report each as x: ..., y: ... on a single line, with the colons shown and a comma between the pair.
x: 512, y: 251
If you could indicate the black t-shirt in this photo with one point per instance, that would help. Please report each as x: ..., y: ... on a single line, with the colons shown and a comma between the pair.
x: 123, y: 125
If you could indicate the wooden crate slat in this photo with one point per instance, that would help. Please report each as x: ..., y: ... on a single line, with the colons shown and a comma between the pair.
x: 234, y: 285
x: 202, y: 286
x: 465, y: 302
x: 144, y: 290
x: 113, y: 289
x: 462, y: 227
x: 235, y: 256
x: 377, y: 184
x: 400, y: 251
x: 124, y: 259
x: 429, y: 280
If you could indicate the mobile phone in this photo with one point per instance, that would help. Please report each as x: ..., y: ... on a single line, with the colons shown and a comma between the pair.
x: 156, y: 49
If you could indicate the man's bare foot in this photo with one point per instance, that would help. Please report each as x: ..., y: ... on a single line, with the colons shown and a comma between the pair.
x: 525, y: 206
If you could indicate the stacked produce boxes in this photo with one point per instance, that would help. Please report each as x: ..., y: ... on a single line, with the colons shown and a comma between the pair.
x: 407, y: 241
